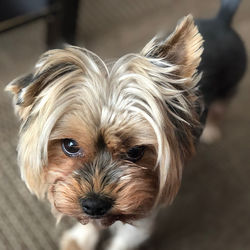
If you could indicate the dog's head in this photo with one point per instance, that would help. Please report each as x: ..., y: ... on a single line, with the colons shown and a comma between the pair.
x: 110, y: 144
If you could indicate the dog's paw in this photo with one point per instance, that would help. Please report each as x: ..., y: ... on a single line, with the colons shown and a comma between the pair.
x: 211, y: 134
x: 80, y: 237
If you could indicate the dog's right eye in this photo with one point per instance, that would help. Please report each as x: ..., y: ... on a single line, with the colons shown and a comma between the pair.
x: 71, y: 148
x: 135, y: 153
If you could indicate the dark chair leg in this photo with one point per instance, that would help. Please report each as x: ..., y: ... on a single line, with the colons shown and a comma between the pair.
x: 69, y: 20
x: 61, y: 23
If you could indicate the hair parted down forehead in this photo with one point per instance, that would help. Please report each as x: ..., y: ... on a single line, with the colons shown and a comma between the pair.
x: 155, y: 86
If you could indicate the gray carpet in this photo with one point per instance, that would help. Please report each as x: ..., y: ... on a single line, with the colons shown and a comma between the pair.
x: 212, y: 210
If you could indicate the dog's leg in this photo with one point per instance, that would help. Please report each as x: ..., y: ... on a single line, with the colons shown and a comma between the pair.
x: 80, y: 237
x: 216, y: 113
x: 127, y: 237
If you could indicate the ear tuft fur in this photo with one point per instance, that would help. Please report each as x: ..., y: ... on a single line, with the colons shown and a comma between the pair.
x: 183, y: 48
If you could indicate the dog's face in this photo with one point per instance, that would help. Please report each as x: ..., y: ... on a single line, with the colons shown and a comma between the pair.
x: 109, y: 144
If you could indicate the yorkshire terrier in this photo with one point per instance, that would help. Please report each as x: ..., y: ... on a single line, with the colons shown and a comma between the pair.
x: 108, y: 145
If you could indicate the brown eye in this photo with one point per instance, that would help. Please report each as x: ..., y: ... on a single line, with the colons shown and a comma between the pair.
x: 71, y: 148
x: 135, y: 154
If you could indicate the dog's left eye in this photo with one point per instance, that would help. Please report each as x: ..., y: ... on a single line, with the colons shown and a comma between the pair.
x: 135, y: 154
x: 71, y: 148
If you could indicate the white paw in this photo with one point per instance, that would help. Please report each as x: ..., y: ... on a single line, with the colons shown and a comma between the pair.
x: 80, y: 237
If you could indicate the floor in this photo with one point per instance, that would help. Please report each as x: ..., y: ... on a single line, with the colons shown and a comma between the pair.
x: 212, y: 209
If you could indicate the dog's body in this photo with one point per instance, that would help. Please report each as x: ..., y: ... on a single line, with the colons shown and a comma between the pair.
x: 108, y: 146
x: 223, y: 65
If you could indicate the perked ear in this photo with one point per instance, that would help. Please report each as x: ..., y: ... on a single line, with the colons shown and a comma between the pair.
x: 183, y: 48
x: 174, y: 63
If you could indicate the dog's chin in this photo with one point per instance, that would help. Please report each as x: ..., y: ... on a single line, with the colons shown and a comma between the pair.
x: 103, y: 222
x: 107, y: 220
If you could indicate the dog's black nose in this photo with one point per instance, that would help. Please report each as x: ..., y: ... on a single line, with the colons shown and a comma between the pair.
x: 96, y: 205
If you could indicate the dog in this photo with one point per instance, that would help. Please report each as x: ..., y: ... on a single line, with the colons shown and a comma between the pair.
x: 107, y: 145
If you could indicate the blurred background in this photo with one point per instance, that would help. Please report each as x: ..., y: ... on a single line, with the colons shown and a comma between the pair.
x: 212, y: 209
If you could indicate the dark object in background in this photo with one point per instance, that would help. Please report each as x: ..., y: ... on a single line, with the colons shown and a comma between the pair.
x: 60, y: 16
x: 15, y: 8
x: 224, y: 57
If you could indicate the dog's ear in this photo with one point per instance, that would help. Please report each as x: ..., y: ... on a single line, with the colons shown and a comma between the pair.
x: 52, y: 65
x: 174, y: 63
x: 183, y: 48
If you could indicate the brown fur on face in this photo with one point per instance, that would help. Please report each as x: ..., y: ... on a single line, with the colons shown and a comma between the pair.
x: 102, y: 170
x: 131, y: 188
x: 145, y: 99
